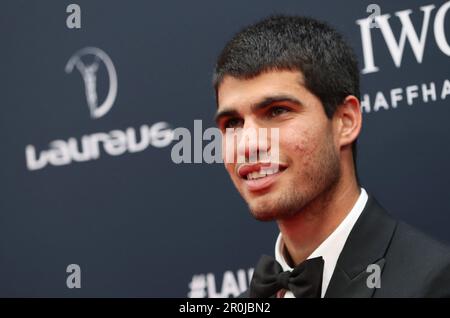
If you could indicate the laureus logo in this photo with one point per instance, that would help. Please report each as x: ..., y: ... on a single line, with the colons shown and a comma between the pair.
x: 89, y: 74
x: 92, y: 146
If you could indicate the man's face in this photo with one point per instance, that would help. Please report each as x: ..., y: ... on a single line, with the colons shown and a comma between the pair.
x: 309, y: 163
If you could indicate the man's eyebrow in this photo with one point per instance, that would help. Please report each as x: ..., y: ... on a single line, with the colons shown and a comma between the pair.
x: 269, y: 100
x: 265, y: 102
x: 228, y: 112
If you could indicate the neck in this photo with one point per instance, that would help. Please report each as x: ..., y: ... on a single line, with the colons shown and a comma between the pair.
x: 305, y: 231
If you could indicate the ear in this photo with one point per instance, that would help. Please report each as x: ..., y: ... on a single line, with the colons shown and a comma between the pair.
x: 347, y: 121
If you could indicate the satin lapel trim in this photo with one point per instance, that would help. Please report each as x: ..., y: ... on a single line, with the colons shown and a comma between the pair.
x: 367, y: 244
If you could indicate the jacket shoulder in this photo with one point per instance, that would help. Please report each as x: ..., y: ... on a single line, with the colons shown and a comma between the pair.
x: 416, y: 264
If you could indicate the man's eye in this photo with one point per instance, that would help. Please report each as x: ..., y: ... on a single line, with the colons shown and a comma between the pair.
x: 232, y: 123
x: 277, y: 110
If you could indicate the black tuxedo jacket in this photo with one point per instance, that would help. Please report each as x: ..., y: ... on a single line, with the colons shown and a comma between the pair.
x: 412, y: 265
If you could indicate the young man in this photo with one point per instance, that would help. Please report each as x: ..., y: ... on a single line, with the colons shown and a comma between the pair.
x: 298, y: 76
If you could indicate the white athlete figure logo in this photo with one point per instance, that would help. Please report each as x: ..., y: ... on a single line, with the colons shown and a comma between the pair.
x: 89, y: 75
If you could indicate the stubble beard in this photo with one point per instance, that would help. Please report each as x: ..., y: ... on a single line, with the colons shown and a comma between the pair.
x: 322, y: 179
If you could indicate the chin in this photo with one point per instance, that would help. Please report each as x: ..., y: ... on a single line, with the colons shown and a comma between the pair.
x: 264, y: 216
x: 263, y: 209
x: 276, y: 207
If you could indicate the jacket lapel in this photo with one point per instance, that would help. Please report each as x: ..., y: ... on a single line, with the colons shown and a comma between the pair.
x: 367, y: 244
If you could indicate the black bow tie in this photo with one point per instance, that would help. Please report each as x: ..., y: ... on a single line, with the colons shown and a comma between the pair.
x: 305, y: 281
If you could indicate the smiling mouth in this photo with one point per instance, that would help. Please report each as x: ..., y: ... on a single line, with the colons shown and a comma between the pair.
x: 259, y: 170
x: 260, y: 175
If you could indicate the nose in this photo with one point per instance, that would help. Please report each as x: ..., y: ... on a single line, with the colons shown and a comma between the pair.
x: 253, y: 142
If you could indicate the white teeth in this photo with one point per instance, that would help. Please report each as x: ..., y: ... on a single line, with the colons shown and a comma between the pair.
x: 255, y: 175
x: 269, y: 170
x: 262, y: 173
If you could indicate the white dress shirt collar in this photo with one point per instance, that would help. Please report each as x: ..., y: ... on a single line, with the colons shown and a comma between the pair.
x: 331, y: 248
